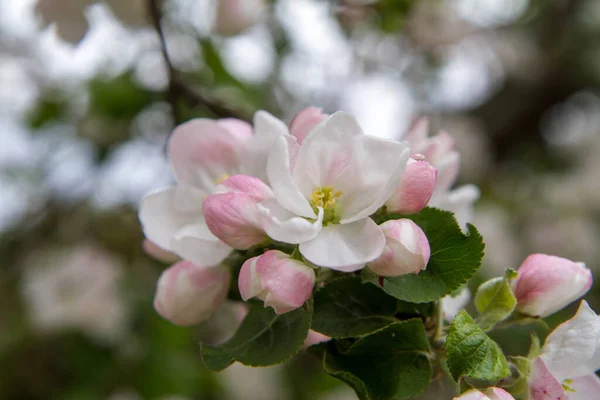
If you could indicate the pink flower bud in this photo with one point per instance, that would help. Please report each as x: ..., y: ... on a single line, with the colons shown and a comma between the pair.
x: 492, y: 393
x: 231, y: 213
x: 234, y: 16
x: 406, y: 250
x: 304, y: 121
x: 415, y: 188
x: 157, y: 252
x: 188, y: 294
x: 495, y: 393
x: 280, y: 281
x: 546, y: 284
x: 313, y: 338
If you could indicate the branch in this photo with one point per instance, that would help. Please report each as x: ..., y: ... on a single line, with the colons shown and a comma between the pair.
x: 178, y: 88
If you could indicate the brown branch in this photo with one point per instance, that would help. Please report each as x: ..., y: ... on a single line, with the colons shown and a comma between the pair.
x: 178, y: 88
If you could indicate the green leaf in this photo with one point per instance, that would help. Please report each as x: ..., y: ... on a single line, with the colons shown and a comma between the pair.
x: 471, y: 353
x: 495, y: 300
x: 455, y: 257
x: 392, y: 363
x: 264, y: 338
x: 346, y: 307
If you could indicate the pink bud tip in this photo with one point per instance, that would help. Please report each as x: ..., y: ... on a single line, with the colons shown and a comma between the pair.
x: 280, y: 281
x: 406, y: 251
x: 304, y: 121
x: 546, y: 284
x: 415, y: 189
x: 188, y: 294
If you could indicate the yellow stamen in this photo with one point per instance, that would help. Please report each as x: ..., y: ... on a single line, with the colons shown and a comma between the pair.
x: 222, y: 178
x: 326, y: 198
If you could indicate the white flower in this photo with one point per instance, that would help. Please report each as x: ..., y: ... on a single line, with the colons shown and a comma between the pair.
x: 568, y: 361
x: 203, y: 153
x: 326, y: 189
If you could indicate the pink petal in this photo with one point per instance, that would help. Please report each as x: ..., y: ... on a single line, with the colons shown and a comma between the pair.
x: 542, y: 385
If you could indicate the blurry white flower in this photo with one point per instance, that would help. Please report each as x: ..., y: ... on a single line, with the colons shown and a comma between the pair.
x: 75, y: 288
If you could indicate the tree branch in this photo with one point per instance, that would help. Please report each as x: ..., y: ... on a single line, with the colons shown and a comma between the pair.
x: 178, y: 88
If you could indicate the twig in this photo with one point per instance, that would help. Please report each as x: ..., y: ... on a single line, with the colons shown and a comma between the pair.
x: 178, y: 88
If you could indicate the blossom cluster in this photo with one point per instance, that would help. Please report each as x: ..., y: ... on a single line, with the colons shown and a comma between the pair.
x: 285, y: 208
x: 313, y: 186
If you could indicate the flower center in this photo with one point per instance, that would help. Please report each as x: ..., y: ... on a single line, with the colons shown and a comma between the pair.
x: 326, y: 198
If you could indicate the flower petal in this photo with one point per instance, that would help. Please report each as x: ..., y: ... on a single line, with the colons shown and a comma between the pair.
x: 267, y: 130
x: 201, y: 152
x: 197, y: 244
x: 572, y: 344
x: 233, y: 218
x: 325, y: 152
x: 305, y: 121
x: 544, y: 386
x: 167, y: 211
x: 280, y: 178
x: 585, y: 387
x: 345, y: 247
x: 379, y: 165
x: 238, y: 128
x: 284, y: 226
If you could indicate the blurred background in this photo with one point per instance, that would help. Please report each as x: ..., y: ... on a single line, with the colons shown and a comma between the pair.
x: 90, y: 91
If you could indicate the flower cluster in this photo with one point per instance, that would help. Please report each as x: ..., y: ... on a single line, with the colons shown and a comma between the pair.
x: 336, y: 233
x: 312, y: 187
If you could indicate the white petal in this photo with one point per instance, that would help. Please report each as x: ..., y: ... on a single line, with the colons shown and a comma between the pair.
x: 201, y: 152
x: 197, y: 244
x: 345, y: 247
x: 268, y: 130
x: 165, y: 212
x: 572, y: 344
x: 585, y: 387
x: 380, y: 164
x: 280, y: 178
x: 325, y: 152
x: 284, y: 226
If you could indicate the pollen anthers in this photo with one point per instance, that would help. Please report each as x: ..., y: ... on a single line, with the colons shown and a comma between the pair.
x: 326, y: 198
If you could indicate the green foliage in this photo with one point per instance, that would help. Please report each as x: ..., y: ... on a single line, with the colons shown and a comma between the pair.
x: 120, y: 97
x: 346, y: 307
x: 46, y: 111
x: 264, y: 338
x: 471, y: 353
x: 495, y: 300
x: 455, y: 257
x: 392, y: 363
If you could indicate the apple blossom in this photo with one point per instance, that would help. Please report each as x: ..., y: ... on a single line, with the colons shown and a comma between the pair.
x: 234, y: 16
x: 203, y: 153
x: 492, y: 393
x: 231, y: 212
x: 546, y: 284
x: 568, y: 360
x: 326, y: 189
x: 406, y: 250
x: 415, y: 189
x: 188, y: 294
x: 280, y: 281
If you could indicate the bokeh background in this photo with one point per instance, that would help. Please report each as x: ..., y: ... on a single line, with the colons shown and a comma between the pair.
x: 88, y: 98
